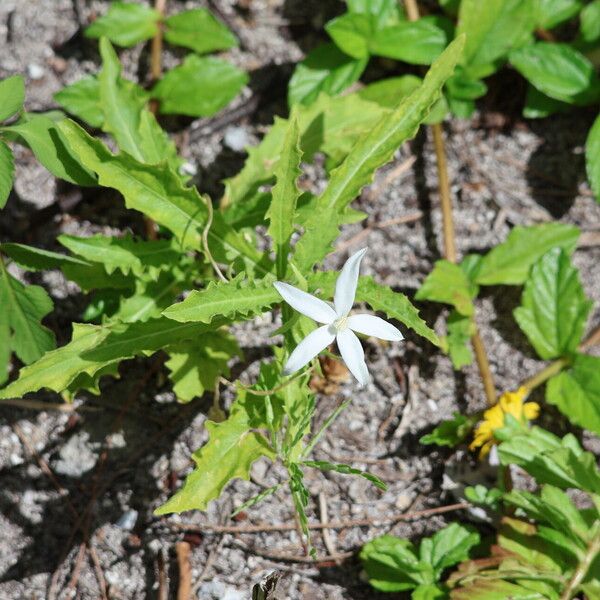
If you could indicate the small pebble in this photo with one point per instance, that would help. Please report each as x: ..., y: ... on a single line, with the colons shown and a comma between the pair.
x: 35, y: 71
x: 236, y: 138
x: 127, y: 520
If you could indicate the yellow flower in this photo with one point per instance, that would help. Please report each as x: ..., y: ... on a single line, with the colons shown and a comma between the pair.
x: 510, y: 403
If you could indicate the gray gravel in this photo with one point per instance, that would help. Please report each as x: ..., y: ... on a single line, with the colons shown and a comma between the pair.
x: 526, y: 173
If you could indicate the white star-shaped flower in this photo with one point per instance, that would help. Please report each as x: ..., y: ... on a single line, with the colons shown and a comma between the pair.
x: 337, y: 323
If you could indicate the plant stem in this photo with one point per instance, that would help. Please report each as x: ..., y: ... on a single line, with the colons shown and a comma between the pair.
x: 591, y: 340
x: 444, y: 188
x: 483, y: 363
x: 584, y: 566
x: 157, y: 44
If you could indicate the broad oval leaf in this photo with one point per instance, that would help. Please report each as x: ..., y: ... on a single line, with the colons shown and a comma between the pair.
x: 416, y: 42
x: 125, y: 24
x: 509, y: 262
x: 199, y: 87
x: 82, y: 99
x: 592, y: 158
x: 7, y: 172
x: 198, y: 30
x: 576, y: 393
x: 325, y: 69
x: 554, y: 308
x: 12, y: 96
x: 559, y: 71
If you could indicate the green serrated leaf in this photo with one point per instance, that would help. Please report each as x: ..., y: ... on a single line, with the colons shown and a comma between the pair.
x: 554, y: 307
x: 96, y: 347
x: 453, y: 432
x: 232, y: 447
x: 559, y: 71
x: 284, y: 196
x: 592, y: 158
x: 82, y: 99
x: 12, y: 96
x: 509, y: 262
x: 159, y: 193
x: 552, y: 460
x: 7, y: 173
x: 195, y: 366
x: 23, y: 308
x: 240, y: 297
x: 449, y: 284
x: 44, y: 137
x: 392, y: 565
x: 326, y: 69
x: 576, y: 392
x: 324, y: 465
x: 198, y: 30
x: 540, y: 106
x: 126, y: 24
x: 125, y: 254
x: 199, y: 87
x: 372, y: 151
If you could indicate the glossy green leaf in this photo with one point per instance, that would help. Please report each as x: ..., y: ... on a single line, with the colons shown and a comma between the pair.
x: 451, y: 433
x: 198, y: 30
x: 553, y: 12
x: 12, y: 96
x: 380, y: 12
x: 448, y: 283
x: 45, y: 139
x: 380, y: 298
x: 351, y: 33
x: 590, y: 22
x: 554, y: 307
x: 159, y: 193
x: 7, y: 172
x: 559, y: 71
x: 509, y: 262
x: 391, y: 564
x: 239, y: 297
x: 199, y: 87
x: 285, y: 193
x: 493, y: 28
x: 460, y: 331
x: 23, y: 307
x: 195, y: 366
x: 232, y: 448
x: 576, y: 392
x: 416, y: 42
x: 125, y: 24
x: 325, y: 69
x: 96, y: 347
x: 592, y: 158
x: 448, y: 547
x: 372, y: 151
x: 82, y: 99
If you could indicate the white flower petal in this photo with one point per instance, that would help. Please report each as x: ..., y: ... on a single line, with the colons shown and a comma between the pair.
x: 345, y: 287
x: 308, y: 348
x: 372, y: 325
x: 353, y: 355
x: 305, y: 303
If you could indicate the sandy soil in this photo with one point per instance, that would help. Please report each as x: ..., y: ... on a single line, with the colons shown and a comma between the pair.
x: 504, y: 171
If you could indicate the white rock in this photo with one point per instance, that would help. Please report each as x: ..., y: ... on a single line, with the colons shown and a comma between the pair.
x: 35, y: 71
